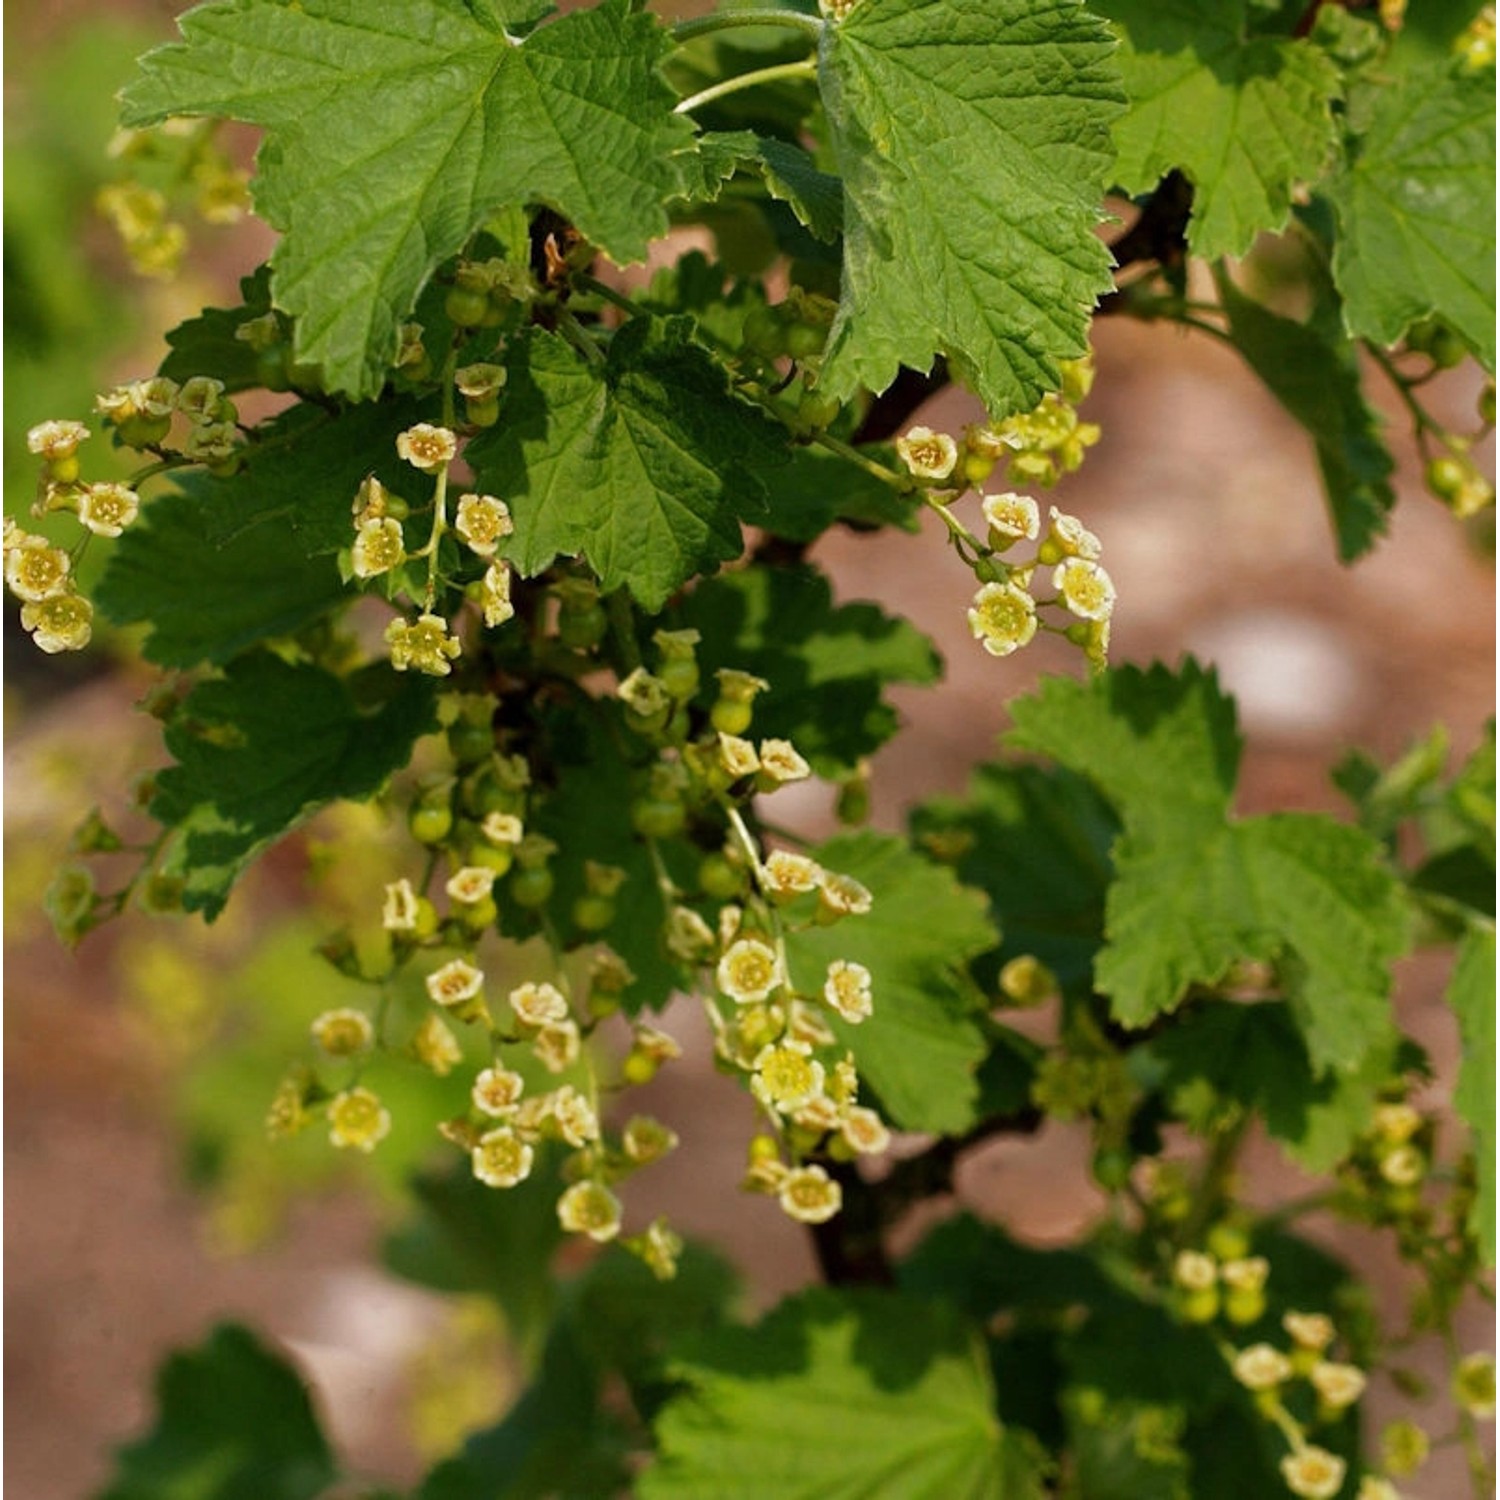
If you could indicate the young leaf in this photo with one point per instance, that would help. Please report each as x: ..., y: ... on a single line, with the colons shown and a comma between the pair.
x: 1245, y: 118
x: 1472, y: 996
x: 206, y: 604
x: 1316, y: 378
x: 921, y: 1047
x: 645, y: 465
x: 1416, y: 205
x: 839, y: 1393
x: 233, y: 1422
x: 790, y: 174
x: 396, y: 128
x: 264, y: 746
x: 827, y: 663
x: 973, y: 140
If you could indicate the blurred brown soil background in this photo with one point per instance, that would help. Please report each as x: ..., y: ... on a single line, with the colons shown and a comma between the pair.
x: 1208, y: 503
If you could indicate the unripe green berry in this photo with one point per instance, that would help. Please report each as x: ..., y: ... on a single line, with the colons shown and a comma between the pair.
x: 730, y: 717
x: 638, y: 1068
x: 764, y: 333
x: 142, y: 432
x: 816, y: 409
x: 426, y: 919
x: 1446, y: 477
x: 582, y: 629
x: 430, y: 823
x: 1111, y: 1167
x: 680, y: 676
x: 487, y: 856
x: 804, y: 340
x: 483, y: 413
x: 720, y: 878
x: 1226, y: 1242
x: 63, y: 470
x: 977, y: 467
x: 1243, y: 1307
x: 657, y: 817
x: 270, y: 368
x: 1201, y: 1306
x: 470, y: 743
x: 593, y: 913
x: 531, y: 888
x: 478, y: 916
x: 466, y: 306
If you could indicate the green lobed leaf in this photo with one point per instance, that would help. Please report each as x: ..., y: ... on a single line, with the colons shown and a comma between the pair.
x: 206, y: 345
x: 206, y: 604
x: 827, y: 664
x: 395, y: 129
x: 817, y: 488
x: 840, y: 1396
x: 264, y: 746
x: 1471, y: 993
x: 645, y: 465
x: 1317, y: 380
x: 921, y: 1047
x: 973, y: 140
x: 233, y: 1423
x: 1416, y: 206
x: 1244, y: 117
x: 790, y: 174
x: 1194, y: 891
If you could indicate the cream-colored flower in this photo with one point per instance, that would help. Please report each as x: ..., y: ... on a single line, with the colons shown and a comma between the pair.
x: 843, y: 896
x: 480, y: 382
x: 1011, y: 518
x: 502, y: 1158
x: 424, y: 644
x: 788, y: 874
x: 435, y: 1047
x: 848, y: 989
x: 645, y: 693
x: 780, y: 762
x: 494, y: 595
x: 577, y: 1122
x: 656, y: 1045
x: 1085, y: 588
x: 200, y: 398
x: 590, y: 1208
x: 1194, y: 1271
x: 737, y: 756
x: 688, y: 937
x: 1069, y: 537
x: 928, y: 454
x: 1309, y: 1330
x: 36, y: 570
x: 805, y: 1024
x: 818, y: 1114
x: 428, y: 448
x: 483, y: 522
x: 212, y: 442
x: 556, y: 1046
x: 538, y: 1004
x: 344, y: 1032
x: 357, y: 1120
x: 470, y: 885
x: 865, y: 1131
x: 399, y: 913
x: 371, y: 501
x: 502, y: 828
x: 497, y: 1091
x: 1261, y: 1367
x: 107, y: 509
x: 749, y: 971
x: 65, y: 622
x: 1314, y: 1473
x: 1338, y: 1385
x: 736, y: 686
x: 56, y: 439
x: 1248, y: 1274
x: 1002, y: 618
x: 456, y: 982
x: 1373, y: 1487
x: 646, y: 1140
x: 810, y: 1195
x: 1397, y: 1123
x: 379, y: 546
x: 1403, y: 1167
x: 786, y: 1076
x: 659, y: 1247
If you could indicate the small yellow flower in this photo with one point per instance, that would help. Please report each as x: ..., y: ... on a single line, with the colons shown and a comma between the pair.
x: 154, y: 398
x: 36, y: 570
x: 847, y: 989
x: 497, y: 1091
x: 1085, y: 588
x: 357, y: 1120
x: 645, y: 693
x: 737, y: 756
x: 786, y: 1076
x: 1373, y: 1487
x: 1247, y: 1274
x: 1011, y: 518
x: 200, y: 397
x: 494, y: 595
x: 62, y: 623
x: 1405, y: 1447
x: 557, y: 1046
x: 1314, y: 1473
x: 371, y: 501
x: 780, y: 762
x: 428, y: 448
x: 656, y: 1045
x: 1002, y: 618
x: 1309, y: 1330
x: 1474, y: 1385
x: 740, y: 687
x: 1338, y: 1385
x: 379, y: 546
x: 577, y: 1122
x: 659, y: 1247
x: 865, y: 1131
x: 646, y: 1140
x: 749, y: 971
x: 424, y: 644
x: 810, y: 1195
x: 788, y: 875
x: 538, y: 1004
x: 480, y: 382
x: 842, y: 896
x: 502, y: 828
x: 805, y: 1024
x: 590, y: 1208
x: 56, y: 439
x: 688, y: 937
x: 928, y: 454
x: 502, y: 1158
x: 287, y: 1113
x: 483, y: 522
x: 343, y: 1032
x: 1026, y: 980
x: 470, y: 885
x: 107, y: 509
x: 456, y: 982
x: 1397, y: 1123
x: 1261, y: 1367
x: 435, y: 1047
x: 1194, y: 1271
x: 818, y: 1114
x: 399, y: 913
x: 1069, y: 537
x: 1403, y: 1167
